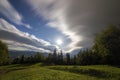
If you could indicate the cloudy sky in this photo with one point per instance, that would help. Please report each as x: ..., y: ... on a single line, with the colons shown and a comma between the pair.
x: 37, y: 24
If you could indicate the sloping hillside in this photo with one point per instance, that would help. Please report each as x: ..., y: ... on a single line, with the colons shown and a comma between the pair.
x: 39, y: 72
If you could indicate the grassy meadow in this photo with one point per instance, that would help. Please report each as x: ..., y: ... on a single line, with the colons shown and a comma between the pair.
x: 40, y: 72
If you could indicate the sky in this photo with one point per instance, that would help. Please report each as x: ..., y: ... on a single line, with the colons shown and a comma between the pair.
x: 36, y: 25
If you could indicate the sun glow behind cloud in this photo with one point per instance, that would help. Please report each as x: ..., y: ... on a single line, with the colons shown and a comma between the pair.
x: 58, y: 20
x: 18, y: 40
x: 59, y: 41
x: 77, y: 20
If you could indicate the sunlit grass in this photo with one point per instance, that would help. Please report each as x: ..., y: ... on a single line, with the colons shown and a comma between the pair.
x: 39, y: 72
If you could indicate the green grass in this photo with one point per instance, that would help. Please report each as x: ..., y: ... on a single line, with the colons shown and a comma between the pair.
x: 39, y: 72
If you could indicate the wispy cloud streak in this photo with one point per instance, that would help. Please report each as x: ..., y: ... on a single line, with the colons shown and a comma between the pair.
x: 9, y: 12
x: 79, y: 20
x: 18, y: 40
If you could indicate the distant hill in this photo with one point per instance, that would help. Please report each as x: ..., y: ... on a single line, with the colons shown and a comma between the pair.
x: 14, y: 54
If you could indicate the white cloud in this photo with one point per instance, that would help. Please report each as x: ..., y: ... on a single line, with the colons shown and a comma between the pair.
x: 18, y: 40
x: 79, y: 20
x: 54, y: 11
x: 13, y: 45
x: 9, y: 12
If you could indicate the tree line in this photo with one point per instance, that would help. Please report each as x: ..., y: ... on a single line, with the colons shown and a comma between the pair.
x: 104, y: 51
x: 106, y: 48
x: 54, y: 58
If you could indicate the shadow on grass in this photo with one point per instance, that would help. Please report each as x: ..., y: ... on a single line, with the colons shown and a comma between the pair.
x: 117, y: 66
x: 14, y: 69
x: 5, y: 71
x: 17, y: 65
x: 89, y: 72
x: 47, y: 64
x: 21, y: 65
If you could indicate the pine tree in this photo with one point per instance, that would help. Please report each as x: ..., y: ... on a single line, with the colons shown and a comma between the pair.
x: 61, y: 57
x: 55, y: 56
x: 3, y: 53
x: 107, y: 45
x: 68, y: 58
x: 75, y: 60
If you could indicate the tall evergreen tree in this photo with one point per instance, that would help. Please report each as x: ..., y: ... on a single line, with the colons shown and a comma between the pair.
x: 61, y: 57
x: 3, y: 53
x: 55, y: 56
x: 68, y: 58
x: 49, y: 58
x: 75, y: 60
x: 22, y: 59
x: 107, y: 45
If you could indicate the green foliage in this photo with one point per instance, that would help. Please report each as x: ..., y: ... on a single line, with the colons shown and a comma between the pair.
x: 38, y: 57
x: 55, y: 58
x: 60, y: 58
x: 68, y: 58
x: 102, y: 72
x: 3, y: 53
x: 104, y: 51
x: 49, y: 59
x: 107, y: 45
x: 87, y: 57
x: 75, y: 60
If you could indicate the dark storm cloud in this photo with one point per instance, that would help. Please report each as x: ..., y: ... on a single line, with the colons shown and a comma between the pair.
x: 88, y: 17
x: 80, y: 20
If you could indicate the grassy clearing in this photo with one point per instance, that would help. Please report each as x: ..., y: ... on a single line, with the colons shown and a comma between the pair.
x: 38, y: 72
x: 103, y: 72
